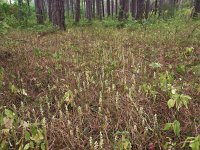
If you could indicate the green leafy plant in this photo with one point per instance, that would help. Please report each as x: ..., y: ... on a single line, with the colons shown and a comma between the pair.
x: 189, y: 51
x: 155, y: 65
x: 178, y: 100
x: 194, y: 142
x: 31, y: 137
x: 166, y: 80
x: 123, y: 143
x: 38, y: 52
x: 175, y: 126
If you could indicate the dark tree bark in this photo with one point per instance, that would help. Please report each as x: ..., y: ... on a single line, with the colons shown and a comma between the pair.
x: 50, y: 10
x: 126, y: 9
x: 72, y: 7
x: 98, y: 6
x: 89, y: 9
x: 77, y: 17
x: 116, y: 7
x: 156, y: 7
x: 112, y: 7
x: 160, y: 7
x: 123, y: 9
x: 102, y: 7
x: 67, y: 7
x: 108, y: 7
x: 196, y: 8
x: 133, y: 8
x: 147, y: 8
x: 58, y: 14
x: 93, y: 8
x: 40, y: 11
x: 172, y: 7
x: 140, y: 9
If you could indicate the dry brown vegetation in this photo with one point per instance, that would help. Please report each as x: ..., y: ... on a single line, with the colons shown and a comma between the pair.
x: 89, y: 84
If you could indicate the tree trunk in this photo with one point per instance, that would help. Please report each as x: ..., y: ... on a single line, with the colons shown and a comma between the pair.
x: 196, y: 8
x: 102, y: 7
x: 112, y: 7
x: 67, y: 7
x: 58, y: 14
x: 172, y: 7
x: 124, y: 8
x: 89, y: 9
x: 72, y: 7
x: 140, y: 9
x: 77, y: 18
x: 116, y: 7
x: 147, y: 9
x: 133, y: 8
x: 93, y: 8
x: 108, y: 7
x: 40, y: 11
x: 155, y: 7
x: 99, y: 12
x: 50, y: 10
x: 160, y: 12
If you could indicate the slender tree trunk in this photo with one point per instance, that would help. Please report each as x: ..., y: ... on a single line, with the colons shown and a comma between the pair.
x: 172, y: 7
x: 133, y: 8
x: 116, y: 7
x: 121, y: 7
x: 140, y: 9
x: 124, y: 8
x: 67, y: 7
x: 103, y: 8
x: 156, y: 7
x: 108, y: 7
x: 196, y: 8
x: 89, y: 9
x: 147, y: 9
x: 40, y: 11
x: 99, y: 12
x: 77, y: 17
x: 160, y: 12
x: 72, y: 7
x: 50, y: 10
x: 58, y: 14
x: 93, y: 9
x: 112, y: 7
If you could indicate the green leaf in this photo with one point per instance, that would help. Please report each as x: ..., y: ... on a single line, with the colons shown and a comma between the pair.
x: 176, y: 127
x: 27, y: 135
x: 33, y: 130
x: 9, y: 113
x: 171, y: 103
x: 27, y: 146
x: 167, y: 126
x: 42, y: 146
x: 195, y: 145
x: 31, y: 144
x: 1, y: 119
x: 41, y: 137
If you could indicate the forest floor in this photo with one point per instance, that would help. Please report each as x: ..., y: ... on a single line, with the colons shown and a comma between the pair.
x: 101, y: 88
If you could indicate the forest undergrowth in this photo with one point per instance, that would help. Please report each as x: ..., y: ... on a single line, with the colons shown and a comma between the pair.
x: 99, y: 87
